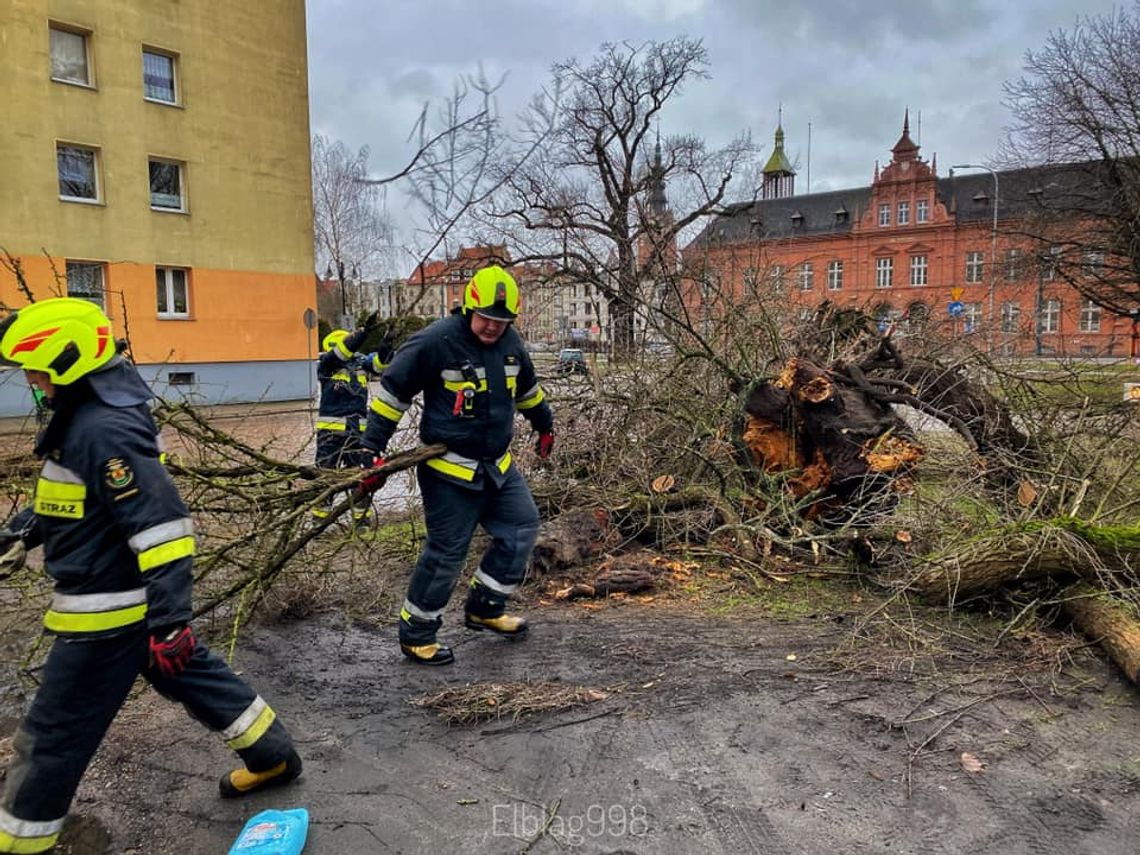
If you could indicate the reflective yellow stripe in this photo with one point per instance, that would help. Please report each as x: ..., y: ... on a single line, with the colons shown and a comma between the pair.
x: 61, y: 490
x: 330, y: 426
x: 93, y: 621
x: 512, y: 383
x: 504, y: 462
x: 165, y: 553
x: 456, y: 385
x: 454, y: 469
x: 254, y: 732
x: 26, y: 845
x: 533, y: 401
x: 341, y: 375
x: 387, y: 411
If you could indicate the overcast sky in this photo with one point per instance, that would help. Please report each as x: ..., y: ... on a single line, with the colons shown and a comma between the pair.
x: 847, y: 67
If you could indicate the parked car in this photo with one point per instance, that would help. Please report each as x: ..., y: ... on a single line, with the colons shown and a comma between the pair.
x: 571, y: 360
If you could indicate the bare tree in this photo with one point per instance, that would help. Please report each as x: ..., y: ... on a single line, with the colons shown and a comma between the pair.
x: 1076, y: 114
x: 350, y: 229
x: 587, y: 199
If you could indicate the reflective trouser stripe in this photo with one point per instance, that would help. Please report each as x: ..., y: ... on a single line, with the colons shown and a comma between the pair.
x: 165, y: 553
x: 482, y: 578
x: 23, y: 835
x: 95, y: 612
x: 410, y: 609
x: 532, y: 398
x: 332, y: 424
x: 250, y: 726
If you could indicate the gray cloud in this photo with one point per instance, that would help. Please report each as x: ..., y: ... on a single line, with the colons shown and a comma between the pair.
x: 849, y: 67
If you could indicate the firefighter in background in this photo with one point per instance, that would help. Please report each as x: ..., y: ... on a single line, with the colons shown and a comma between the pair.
x: 474, y: 373
x: 119, y: 543
x: 342, y: 413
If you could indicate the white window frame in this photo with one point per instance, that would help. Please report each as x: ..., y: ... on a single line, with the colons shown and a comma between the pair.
x: 1090, y: 316
x: 903, y: 215
x: 181, y: 167
x: 806, y: 276
x: 1050, y: 264
x: 1010, y: 317
x: 88, y: 65
x: 1014, y: 261
x: 975, y: 267
x: 167, y: 274
x: 776, y: 277
x: 921, y: 211
x: 971, y: 317
x: 74, y: 266
x: 95, y: 177
x: 176, y: 97
x: 1050, y: 319
x: 919, y: 270
x: 884, y: 272
x: 835, y: 275
x: 884, y: 214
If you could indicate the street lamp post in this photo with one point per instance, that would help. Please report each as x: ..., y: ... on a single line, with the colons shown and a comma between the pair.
x: 993, y: 250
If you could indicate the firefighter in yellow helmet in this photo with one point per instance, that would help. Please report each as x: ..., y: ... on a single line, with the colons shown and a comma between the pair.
x: 474, y: 374
x: 119, y: 543
x: 343, y: 373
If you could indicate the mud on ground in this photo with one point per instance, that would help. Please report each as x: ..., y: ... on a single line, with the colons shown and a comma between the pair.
x: 715, y: 735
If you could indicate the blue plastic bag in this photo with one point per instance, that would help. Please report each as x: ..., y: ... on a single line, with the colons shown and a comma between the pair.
x: 273, y: 832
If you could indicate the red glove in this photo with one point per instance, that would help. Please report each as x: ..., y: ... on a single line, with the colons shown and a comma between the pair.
x: 544, y: 444
x: 373, y: 481
x: 170, y: 653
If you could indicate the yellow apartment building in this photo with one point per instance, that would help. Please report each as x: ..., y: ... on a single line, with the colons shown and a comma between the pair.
x: 154, y: 158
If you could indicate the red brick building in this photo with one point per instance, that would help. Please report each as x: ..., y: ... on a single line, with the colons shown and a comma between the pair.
x: 938, y: 253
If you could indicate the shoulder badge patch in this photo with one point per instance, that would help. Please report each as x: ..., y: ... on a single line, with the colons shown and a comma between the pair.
x: 118, y: 474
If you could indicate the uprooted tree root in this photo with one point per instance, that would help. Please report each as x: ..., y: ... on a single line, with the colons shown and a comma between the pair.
x: 480, y: 702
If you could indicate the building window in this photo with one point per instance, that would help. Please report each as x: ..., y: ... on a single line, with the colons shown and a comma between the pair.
x: 975, y: 267
x: 573, y: 310
x: 181, y: 378
x: 78, y: 173
x: 776, y: 277
x: 807, y: 276
x: 1090, y: 316
x: 971, y: 316
x: 918, y: 270
x: 70, y: 56
x: 835, y: 276
x: 1010, y: 317
x: 921, y: 211
x: 751, y: 279
x: 85, y: 281
x: 884, y: 214
x: 172, y: 293
x: 166, y: 185
x: 1050, y: 319
x: 1014, y: 265
x: 904, y: 213
x: 1093, y: 261
x: 159, y: 83
x: 884, y: 272
x: 1049, y: 264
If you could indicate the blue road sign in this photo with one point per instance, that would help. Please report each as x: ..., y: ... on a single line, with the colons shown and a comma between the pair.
x: 955, y: 308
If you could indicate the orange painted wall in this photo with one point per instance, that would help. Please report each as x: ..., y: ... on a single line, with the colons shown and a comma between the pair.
x: 221, y: 304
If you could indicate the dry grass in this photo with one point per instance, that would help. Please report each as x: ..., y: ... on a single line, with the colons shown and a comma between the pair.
x: 479, y: 702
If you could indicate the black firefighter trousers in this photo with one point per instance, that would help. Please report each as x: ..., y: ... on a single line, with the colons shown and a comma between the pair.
x: 451, y: 512
x: 85, y: 682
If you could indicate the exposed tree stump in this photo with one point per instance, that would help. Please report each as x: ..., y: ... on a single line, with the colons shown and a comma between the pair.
x: 571, y: 540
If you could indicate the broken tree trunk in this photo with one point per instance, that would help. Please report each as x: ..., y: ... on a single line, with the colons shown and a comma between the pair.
x: 1003, y: 556
x: 1111, y: 623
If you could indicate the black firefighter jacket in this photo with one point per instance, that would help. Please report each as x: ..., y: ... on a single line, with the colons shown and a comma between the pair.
x: 444, y: 361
